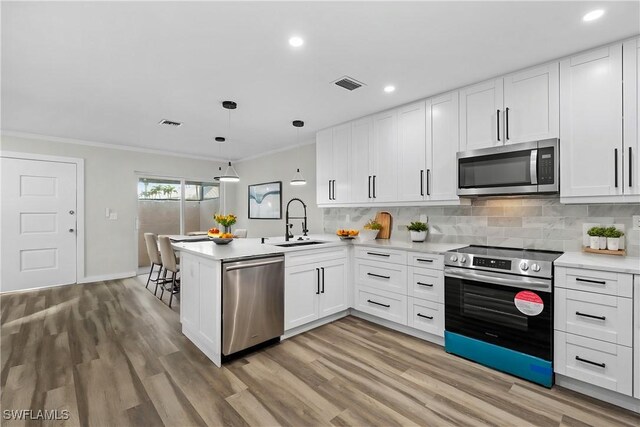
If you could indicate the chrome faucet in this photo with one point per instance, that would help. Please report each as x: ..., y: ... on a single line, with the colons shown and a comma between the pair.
x: 287, y: 233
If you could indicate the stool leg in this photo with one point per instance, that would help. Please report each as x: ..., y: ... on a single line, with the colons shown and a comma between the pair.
x: 164, y: 275
x: 149, y: 278
x: 173, y: 286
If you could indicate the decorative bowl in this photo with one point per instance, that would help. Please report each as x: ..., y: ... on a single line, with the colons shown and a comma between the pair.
x: 347, y: 237
x: 367, y: 234
x: 221, y: 241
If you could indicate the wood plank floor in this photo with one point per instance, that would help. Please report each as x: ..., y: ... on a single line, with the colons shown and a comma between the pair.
x: 113, y: 355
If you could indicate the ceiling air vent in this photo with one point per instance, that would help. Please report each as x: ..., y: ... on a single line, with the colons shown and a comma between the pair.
x: 348, y: 83
x: 170, y: 123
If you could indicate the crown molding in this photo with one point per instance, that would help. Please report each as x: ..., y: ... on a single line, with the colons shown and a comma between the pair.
x: 40, y: 137
x: 277, y: 150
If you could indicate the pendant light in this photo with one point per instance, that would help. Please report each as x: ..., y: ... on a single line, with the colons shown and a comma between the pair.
x: 220, y: 140
x: 229, y: 175
x: 298, y: 179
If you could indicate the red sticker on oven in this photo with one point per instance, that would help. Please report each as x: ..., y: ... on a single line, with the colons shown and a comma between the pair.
x: 528, y: 303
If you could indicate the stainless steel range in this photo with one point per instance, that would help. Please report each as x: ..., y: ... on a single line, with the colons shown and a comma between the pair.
x: 499, y: 309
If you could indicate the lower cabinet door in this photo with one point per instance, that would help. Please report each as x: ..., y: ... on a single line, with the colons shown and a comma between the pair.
x: 386, y: 305
x: 600, y: 363
x: 333, y: 287
x: 427, y: 316
x: 301, y: 292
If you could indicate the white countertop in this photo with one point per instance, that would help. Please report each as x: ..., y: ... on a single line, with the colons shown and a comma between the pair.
x: 426, y: 247
x: 240, y: 248
x: 620, y: 264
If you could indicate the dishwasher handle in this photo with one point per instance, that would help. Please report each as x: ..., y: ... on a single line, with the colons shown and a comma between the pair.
x: 249, y: 264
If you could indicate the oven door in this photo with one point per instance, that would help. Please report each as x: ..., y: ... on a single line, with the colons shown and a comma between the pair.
x: 510, y: 169
x: 497, y: 309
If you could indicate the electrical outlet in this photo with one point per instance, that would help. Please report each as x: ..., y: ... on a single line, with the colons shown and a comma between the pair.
x: 424, y: 218
x: 636, y: 222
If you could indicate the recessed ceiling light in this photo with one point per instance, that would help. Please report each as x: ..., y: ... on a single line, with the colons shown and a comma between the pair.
x: 296, y: 41
x: 593, y: 15
x: 389, y: 88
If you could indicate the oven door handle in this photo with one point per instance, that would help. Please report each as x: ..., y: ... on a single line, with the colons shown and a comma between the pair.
x: 543, y: 285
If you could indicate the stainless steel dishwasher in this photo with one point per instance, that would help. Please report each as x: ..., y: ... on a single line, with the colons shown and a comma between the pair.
x: 252, y: 302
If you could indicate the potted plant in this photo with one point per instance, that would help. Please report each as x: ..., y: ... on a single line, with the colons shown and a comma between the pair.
x: 595, y: 235
x: 613, y: 238
x: 226, y: 221
x: 371, y: 230
x: 418, y: 231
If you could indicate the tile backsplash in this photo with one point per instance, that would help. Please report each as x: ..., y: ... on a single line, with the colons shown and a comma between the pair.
x: 536, y: 223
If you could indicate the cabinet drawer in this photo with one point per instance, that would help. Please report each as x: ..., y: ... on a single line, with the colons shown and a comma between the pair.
x: 418, y: 259
x: 384, y: 276
x: 426, y: 283
x: 427, y: 316
x: 313, y: 256
x: 386, y: 305
x: 602, y: 282
x: 595, y: 362
x: 380, y: 254
x: 603, y: 317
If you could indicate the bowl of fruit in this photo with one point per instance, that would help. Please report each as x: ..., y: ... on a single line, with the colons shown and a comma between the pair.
x: 346, y: 234
x: 223, y: 239
x: 213, y: 232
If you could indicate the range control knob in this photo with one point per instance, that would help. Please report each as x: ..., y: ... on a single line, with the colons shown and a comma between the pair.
x: 535, y: 267
x: 454, y: 258
x: 524, y: 266
x: 463, y: 259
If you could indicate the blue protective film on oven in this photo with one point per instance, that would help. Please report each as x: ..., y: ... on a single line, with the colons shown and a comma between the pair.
x: 503, y: 359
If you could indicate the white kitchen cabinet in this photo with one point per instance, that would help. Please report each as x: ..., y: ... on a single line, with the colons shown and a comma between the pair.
x: 361, y: 160
x: 386, y: 305
x: 481, y: 123
x: 315, y: 290
x: 631, y: 108
x: 414, y: 137
x: 333, y: 147
x: 591, y: 125
x: 385, y: 143
x: 426, y: 316
x: 441, y: 180
x: 333, y: 288
x: 532, y: 104
x: 636, y: 336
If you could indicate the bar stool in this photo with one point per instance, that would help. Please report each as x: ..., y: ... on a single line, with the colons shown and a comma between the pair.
x: 151, y: 240
x: 241, y: 233
x: 169, y: 263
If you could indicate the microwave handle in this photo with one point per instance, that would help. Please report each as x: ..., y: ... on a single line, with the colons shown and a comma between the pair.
x: 533, y: 166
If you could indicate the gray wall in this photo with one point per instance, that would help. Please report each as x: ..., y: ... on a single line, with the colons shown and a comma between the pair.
x: 540, y: 223
x: 278, y: 166
x: 111, y: 182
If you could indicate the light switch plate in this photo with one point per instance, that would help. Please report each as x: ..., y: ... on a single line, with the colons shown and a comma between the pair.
x: 636, y: 222
x: 113, y: 216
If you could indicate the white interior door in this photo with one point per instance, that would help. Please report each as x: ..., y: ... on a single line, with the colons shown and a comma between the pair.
x: 38, y: 224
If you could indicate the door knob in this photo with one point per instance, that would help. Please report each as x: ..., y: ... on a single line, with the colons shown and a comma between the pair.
x: 71, y: 230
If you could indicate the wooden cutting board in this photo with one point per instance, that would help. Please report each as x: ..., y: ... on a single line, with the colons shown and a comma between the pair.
x: 386, y: 220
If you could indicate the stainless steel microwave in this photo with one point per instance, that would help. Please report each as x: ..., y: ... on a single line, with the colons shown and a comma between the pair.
x: 527, y: 168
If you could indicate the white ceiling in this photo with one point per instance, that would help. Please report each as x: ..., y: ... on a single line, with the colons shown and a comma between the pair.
x: 109, y: 71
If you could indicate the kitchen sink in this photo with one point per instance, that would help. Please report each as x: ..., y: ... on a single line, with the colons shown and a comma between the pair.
x: 299, y: 243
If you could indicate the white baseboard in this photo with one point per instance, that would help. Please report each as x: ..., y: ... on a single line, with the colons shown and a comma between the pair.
x: 599, y: 393
x: 104, y: 277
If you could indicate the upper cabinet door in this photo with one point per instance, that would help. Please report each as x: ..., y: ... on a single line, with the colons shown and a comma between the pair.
x: 324, y: 165
x: 591, y: 126
x: 340, y: 154
x: 631, y: 149
x: 385, y: 140
x: 532, y: 104
x: 443, y: 171
x: 361, y: 160
x: 481, y: 116
x: 412, y: 145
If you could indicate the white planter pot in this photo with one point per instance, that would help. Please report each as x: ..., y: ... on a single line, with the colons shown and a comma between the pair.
x: 418, y: 236
x: 613, y: 243
x: 366, y: 235
x: 594, y: 242
x: 603, y: 242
